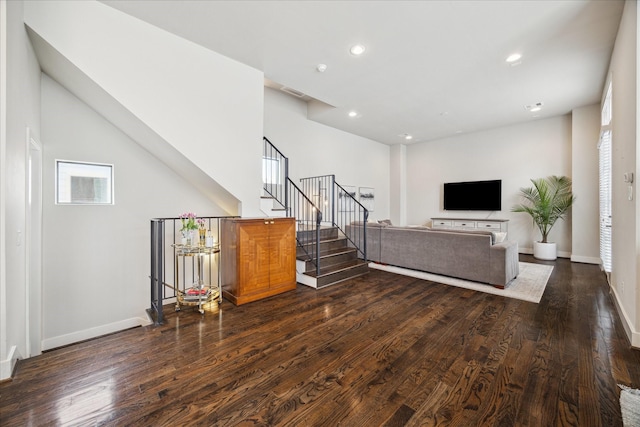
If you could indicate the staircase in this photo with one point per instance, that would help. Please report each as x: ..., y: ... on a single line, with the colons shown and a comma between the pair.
x: 338, y: 260
x: 325, y: 254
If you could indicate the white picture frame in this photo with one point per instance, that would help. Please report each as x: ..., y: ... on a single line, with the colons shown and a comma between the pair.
x: 83, y: 183
x: 346, y: 204
x: 367, y: 197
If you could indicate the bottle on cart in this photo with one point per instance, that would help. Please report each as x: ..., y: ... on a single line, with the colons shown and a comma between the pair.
x: 209, y: 239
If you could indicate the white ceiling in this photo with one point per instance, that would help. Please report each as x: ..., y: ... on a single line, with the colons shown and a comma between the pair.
x: 431, y: 68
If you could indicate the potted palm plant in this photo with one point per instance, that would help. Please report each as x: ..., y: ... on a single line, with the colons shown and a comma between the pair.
x: 547, y: 201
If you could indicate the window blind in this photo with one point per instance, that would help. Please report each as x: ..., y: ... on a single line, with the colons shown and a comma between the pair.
x: 604, y: 147
x: 605, y: 199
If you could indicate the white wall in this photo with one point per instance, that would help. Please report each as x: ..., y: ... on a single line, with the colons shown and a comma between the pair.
x: 20, y: 89
x: 585, y: 132
x: 208, y: 107
x: 398, y: 195
x: 514, y: 154
x: 623, y: 71
x: 96, y: 258
x: 315, y: 149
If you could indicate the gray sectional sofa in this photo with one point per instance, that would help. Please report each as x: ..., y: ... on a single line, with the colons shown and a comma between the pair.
x: 470, y: 255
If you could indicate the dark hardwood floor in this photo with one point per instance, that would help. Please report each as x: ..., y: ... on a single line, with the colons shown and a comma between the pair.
x: 380, y: 350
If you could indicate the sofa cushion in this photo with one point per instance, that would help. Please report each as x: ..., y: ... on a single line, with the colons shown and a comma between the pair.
x: 463, y: 231
x: 369, y: 224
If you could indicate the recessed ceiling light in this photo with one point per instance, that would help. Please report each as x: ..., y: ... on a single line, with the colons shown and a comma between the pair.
x: 514, y: 57
x: 357, y: 49
x: 407, y: 136
x: 321, y: 68
x: 353, y: 113
x: 534, y: 107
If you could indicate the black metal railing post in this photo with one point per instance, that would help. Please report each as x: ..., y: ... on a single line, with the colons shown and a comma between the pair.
x: 157, y: 269
x: 333, y: 199
x: 286, y: 178
x: 364, y: 234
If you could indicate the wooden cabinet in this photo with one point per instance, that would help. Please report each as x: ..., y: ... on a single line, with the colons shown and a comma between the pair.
x: 258, y: 258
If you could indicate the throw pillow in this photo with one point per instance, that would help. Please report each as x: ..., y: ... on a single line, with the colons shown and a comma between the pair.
x: 500, y: 236
x: 385, y: 222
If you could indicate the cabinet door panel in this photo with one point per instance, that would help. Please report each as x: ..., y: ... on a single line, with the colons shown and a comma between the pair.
x: 283, y: 253
x: 253, y: 263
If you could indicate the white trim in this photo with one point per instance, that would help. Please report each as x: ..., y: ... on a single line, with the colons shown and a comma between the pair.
x: 33, y: 246
x: 7, y: 365
x: 632, y: 334
x: 95, y: 332
x: 303, y: 278
x: 5, y: 369
x: 27, y: 243
x: 561, y: 254
x: 586, y: 259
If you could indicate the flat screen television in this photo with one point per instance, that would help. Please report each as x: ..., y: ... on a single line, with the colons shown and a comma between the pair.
x: 473, y: 196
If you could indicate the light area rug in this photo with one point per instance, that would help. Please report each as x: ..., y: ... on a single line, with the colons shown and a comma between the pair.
x: 630, y: 406
x: 528, y: 286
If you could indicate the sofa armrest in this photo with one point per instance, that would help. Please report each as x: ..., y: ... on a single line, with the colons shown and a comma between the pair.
x: 504, y: 263
x: 354, y: 232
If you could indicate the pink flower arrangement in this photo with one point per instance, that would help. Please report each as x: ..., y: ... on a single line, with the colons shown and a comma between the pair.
x: 188, y: 220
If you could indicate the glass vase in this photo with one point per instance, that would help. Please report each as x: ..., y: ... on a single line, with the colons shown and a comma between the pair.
x: 186, y: 237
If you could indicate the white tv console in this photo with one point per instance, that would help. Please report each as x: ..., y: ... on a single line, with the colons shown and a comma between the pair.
x: 500, y: 225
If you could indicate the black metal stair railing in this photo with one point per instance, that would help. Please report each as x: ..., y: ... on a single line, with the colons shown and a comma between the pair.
x: 275, y: 173
x: 339, y: 208
x: 278, y: 185
x: 308, y: 219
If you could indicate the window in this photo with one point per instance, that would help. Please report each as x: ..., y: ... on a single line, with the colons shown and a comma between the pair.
x: 604, y: 147
x: 81, y: 183
x: 271, y: 170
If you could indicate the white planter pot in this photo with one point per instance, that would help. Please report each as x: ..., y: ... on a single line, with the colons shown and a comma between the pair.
x: 545, y: 251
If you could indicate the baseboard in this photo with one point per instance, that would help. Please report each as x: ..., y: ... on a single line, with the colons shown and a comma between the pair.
x: 585, y: 259
x: 85, y: 334
x: 529, y: 251
x: 632, y: 334
x: 7, y: 365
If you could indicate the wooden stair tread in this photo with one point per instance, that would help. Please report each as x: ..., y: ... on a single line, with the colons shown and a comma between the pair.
x: 337, y: 239
x: 328, y: 253
x: 333, y: 269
